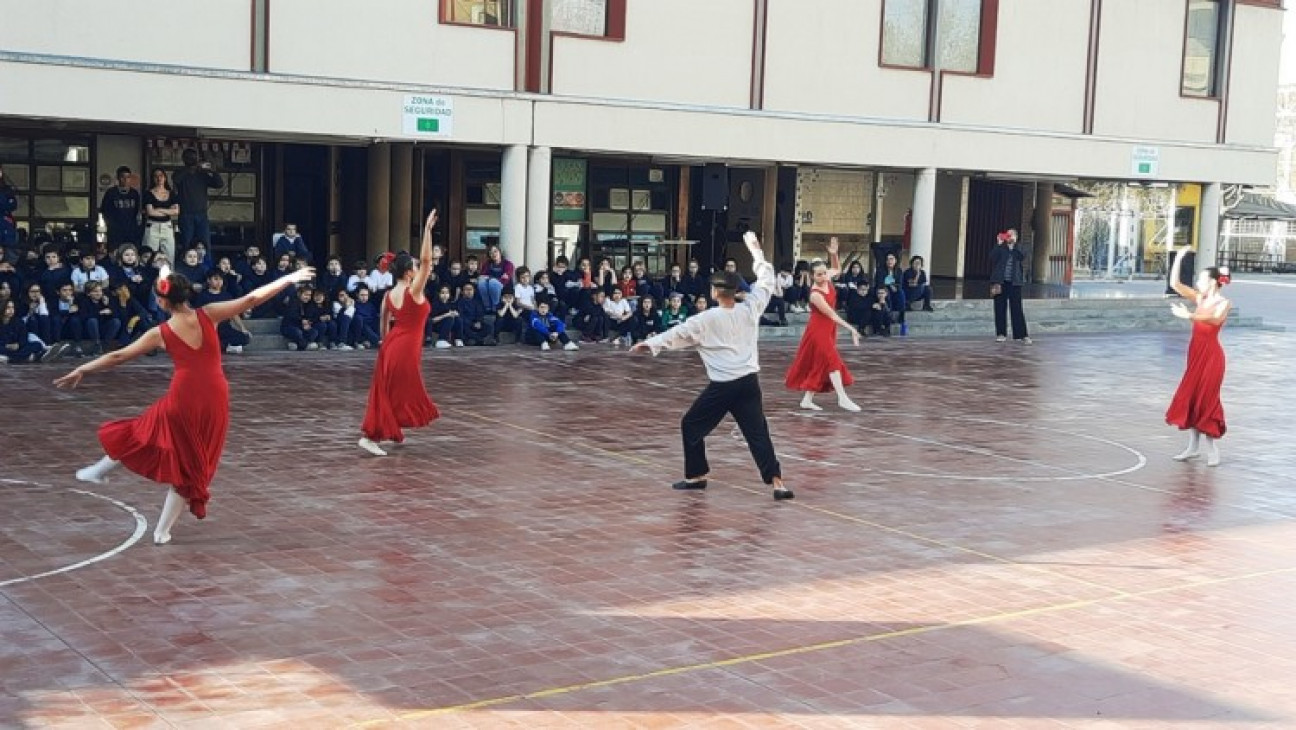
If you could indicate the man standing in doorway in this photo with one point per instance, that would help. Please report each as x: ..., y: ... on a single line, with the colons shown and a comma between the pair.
x: 191, y: 184
x: 120, y: 209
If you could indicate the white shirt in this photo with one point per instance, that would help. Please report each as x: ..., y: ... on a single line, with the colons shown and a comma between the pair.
x: 616, y: 310
x: 525, y: 295
x: 725, y: 338
x: 356, y: 280
x: 378, y: 280
x: 80, y: 277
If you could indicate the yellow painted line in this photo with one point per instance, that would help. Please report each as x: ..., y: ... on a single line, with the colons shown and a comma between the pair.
x: 810, y: 648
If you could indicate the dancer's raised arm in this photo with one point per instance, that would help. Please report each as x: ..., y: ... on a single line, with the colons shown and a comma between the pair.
x: 1180, y: 288
x: 220, y: 311
x: 425, y: 259
x: 834, y: 260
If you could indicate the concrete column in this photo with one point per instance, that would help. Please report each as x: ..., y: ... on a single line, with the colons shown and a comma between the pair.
x: 379, y: 211
x: 1043, y: 229
x: 539, y: 205
x: 402, y: 196
x: 923, y: 219
x: 513, y: 195
x: 878, y: 194
x: 1208, y: 239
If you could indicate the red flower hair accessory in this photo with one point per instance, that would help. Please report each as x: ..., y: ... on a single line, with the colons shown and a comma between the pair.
x: 164, y: 285
x: 1224, y: 276
x: 1003, y: 237
x: 385, y: 262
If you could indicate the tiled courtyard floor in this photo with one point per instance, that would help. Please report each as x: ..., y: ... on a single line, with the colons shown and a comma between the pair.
x: 998, y: 540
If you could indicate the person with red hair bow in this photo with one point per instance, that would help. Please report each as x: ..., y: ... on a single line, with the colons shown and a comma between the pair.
x: 1196, y: 406
x: 397, y: 397
x: 179, y: 439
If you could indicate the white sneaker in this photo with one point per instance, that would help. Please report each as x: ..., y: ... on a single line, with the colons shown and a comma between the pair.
x: 292, y: 347
x: 238, y: 349
x: 371, y: 447
x: 544, y: 346
x: 1027, y: 341
x: 4, y: 359
x: 571, y: 346
x: 1001, y: 338
x: 459, y: 343
x: 312, y: 346
x: 442, y: 344
x: 347, y: 348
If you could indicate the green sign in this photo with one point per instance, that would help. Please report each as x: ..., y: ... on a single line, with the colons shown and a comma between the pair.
x: 569, y: 196
x: 428, y: 125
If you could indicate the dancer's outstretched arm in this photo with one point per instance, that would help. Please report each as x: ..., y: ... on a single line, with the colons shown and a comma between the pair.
x: 763, y: 289
x: 1180, y: 288
x: 821, y: 304
x: 220, y: 311
x: 149, y: 342
x: 1215, y: 314
x: 425, y: 259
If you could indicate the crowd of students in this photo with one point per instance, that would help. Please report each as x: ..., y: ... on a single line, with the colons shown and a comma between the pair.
x: 58, y: 303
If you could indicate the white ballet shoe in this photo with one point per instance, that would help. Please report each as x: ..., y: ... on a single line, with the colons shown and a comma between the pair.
x: 89, y: 474
x: 1212, y: 452
x: 1186, y: 454
x: 848, y: 405
x: 808, y: 403
x: 371, y: 447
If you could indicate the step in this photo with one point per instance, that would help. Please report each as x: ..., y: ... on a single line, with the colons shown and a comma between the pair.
x: 985, y: 327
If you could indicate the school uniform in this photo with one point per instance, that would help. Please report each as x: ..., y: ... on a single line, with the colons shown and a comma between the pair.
x: 230, y: 336
x: 366, y: 317
x: 893, y: 280
x: 134, y: 317
x: 593, y: 322
x: 252, y: 281
x: 331, y: 284
x: 1008, y: 270
x: 726, y: 338
x: 448, y: 328
x: 348, y: 326
x: 616, y: 314
x: 644, y: 325
x: 322, y: 321
x: 15, y: 345
x: 916, y: 288
x: 297, y: 327
x: 37, y: 320
x: 100, y: 321
x: 508, y: 321
x: 473, y: 316
x: 81, y: 277
x: 880, y: 316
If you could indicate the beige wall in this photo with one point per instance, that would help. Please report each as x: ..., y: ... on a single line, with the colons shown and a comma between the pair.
x: 822, y: 57
x: 1139, y: 75
x: 392, y: 40
x: 681, y: 51
x: 1253, y: 89
x: 1039, y: 75
x: 201, y: 34
x: 896, y: 202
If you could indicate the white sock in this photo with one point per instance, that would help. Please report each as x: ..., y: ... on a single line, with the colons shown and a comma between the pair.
x: 842, y: 399
x: 808, y: 403
x: 1194, y: 437
x: 171, y: 511
x: 98, y: 472
x: 1212, y: 451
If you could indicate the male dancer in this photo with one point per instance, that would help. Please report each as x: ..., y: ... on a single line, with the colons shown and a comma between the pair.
x: 725, y: 337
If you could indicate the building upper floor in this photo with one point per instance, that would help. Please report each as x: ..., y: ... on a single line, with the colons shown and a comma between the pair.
x: 1203, y: 71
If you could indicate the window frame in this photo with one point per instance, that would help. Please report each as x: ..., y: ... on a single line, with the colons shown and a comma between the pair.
x: 987, y: 45
x: 614, y: 22
x: 445, y: 17
x: 1221, y: 27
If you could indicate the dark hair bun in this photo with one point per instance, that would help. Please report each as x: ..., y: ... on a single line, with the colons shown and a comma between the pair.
x: 179, y: 289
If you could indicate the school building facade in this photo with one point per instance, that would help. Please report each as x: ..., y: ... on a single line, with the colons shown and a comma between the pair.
x: 655, y: 129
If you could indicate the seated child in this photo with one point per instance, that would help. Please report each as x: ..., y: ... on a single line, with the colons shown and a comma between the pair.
x: 546, y: 329
x: 444, y: 325
x: 646, y: 321
x: 472, y: 313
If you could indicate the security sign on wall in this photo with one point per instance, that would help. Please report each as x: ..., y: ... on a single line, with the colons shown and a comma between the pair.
x: 428, y: 116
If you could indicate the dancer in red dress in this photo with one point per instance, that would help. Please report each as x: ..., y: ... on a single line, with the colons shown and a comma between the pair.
x: 178, y: 440
x: 1196, y: 406
x: 818, y: 368
x: 397, y: 397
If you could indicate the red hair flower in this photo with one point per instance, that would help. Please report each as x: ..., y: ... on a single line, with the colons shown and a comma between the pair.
x: 164, y: 285
x: 1224, y: 276
x: 385, y: 262
x: 1003, y: 237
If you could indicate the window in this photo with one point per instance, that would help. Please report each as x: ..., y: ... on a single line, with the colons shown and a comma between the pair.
x: 582, y: 17
x: 1201, y: 48
x: 958, y: 34
x: 53, y: 181
x: 490, y: 13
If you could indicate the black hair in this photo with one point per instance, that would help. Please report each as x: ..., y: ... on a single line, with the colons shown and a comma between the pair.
x: 561, y: 260
x: 725, y: 280
x: 123, y: 170
x: 1214, y: 273
x: 912, y: 259
x: 189, y: 156
x: 402, y: 264
x: 180, y: 290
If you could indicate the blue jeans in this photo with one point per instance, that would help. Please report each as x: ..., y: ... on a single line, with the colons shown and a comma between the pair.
x: 193, y: 227
x: 490, y: 290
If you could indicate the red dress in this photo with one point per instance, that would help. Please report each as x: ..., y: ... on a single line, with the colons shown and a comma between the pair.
x: 179, y: 439
x: 817, y: 356
x: 1196, y: 403
x: 397, y: 398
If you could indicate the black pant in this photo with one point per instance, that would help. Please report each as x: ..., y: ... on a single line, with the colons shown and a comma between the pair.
x: 1010, y: 296
x: 740, y: 398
